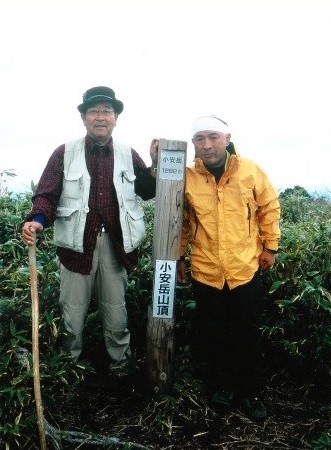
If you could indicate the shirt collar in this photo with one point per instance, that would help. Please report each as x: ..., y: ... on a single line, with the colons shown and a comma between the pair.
x: 91, y: 145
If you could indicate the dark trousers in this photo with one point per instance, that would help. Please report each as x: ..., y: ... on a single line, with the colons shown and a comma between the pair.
x: 227, y: 335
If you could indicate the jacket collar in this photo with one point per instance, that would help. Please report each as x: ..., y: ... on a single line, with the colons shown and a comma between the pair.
x: 231, y: 167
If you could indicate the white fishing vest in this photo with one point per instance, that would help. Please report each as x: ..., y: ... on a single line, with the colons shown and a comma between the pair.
x: 73, y: 206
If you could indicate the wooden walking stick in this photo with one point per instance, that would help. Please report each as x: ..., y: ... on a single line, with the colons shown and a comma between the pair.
x: 35, y: 343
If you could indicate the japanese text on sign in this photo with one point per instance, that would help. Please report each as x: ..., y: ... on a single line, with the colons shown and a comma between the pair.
x: 164, y: 288
x: 172, y: 165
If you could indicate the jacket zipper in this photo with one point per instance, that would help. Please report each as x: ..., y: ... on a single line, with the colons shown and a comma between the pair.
x: 249, y: 219
x: 196, y: 224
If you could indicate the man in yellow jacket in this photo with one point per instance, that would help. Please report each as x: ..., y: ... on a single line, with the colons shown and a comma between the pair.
x: 231, y: 223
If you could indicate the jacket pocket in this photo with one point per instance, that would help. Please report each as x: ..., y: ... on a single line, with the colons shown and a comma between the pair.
x: 240, y: 218
x: 250, y: 231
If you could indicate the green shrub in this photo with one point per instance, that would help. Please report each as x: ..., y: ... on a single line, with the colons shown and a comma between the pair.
x: 59, y: 376
x: 296, y: 324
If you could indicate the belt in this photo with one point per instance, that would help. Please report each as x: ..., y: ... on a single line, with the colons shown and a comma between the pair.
x: 102, y: 230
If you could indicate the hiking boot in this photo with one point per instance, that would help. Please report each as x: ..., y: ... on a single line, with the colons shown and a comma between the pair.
x: 224, y: 398
x: 254, y: 408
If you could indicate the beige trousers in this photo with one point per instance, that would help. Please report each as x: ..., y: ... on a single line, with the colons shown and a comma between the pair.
x: 108, y: 281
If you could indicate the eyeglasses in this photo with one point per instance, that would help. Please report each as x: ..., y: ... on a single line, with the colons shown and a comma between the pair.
x: 105, y: 112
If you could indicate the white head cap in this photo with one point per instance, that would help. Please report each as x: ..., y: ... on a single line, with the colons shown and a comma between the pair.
x: 209, y: 123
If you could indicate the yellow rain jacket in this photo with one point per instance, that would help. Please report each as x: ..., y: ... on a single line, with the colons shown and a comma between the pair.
x: 227, y: 224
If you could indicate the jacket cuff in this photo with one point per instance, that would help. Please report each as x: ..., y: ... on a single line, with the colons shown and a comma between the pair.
x: 270, y: 250
x: 40, y: 218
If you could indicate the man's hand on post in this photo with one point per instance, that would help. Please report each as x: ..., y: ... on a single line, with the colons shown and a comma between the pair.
x: 153, y: 151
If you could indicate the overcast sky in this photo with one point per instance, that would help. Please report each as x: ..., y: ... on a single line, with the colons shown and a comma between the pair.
x: 261, y: 65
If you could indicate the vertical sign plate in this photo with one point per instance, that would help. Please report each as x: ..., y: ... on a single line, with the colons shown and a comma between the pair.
x: 164, y: 289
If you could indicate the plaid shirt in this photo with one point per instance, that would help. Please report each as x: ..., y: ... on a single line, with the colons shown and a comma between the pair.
x: 103, y: 204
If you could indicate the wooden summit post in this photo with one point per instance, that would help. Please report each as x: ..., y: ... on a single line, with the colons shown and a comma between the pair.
x: 168, y: 213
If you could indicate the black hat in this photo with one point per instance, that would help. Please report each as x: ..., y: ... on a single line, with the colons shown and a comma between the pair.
x: 100, y: 94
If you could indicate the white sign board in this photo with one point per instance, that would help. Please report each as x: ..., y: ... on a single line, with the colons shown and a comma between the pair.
x: 164, y: 289
x: 172, y: 165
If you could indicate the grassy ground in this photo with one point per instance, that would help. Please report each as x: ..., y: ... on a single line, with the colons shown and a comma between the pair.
x: 123, y: 409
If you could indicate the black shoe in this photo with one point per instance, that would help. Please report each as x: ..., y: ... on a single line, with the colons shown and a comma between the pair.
x: 121, y: 371
x: 224, y: 398
x: 254, y: 408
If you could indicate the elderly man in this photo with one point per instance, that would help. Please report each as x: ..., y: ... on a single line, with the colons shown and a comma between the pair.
x: 88, y: 190
x: 231, y: 220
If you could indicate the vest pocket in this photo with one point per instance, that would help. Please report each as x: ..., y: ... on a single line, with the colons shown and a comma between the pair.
x: 65, y: 227
x: 127, y: 186
x: 72, y: 184
x: 135, y: 227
